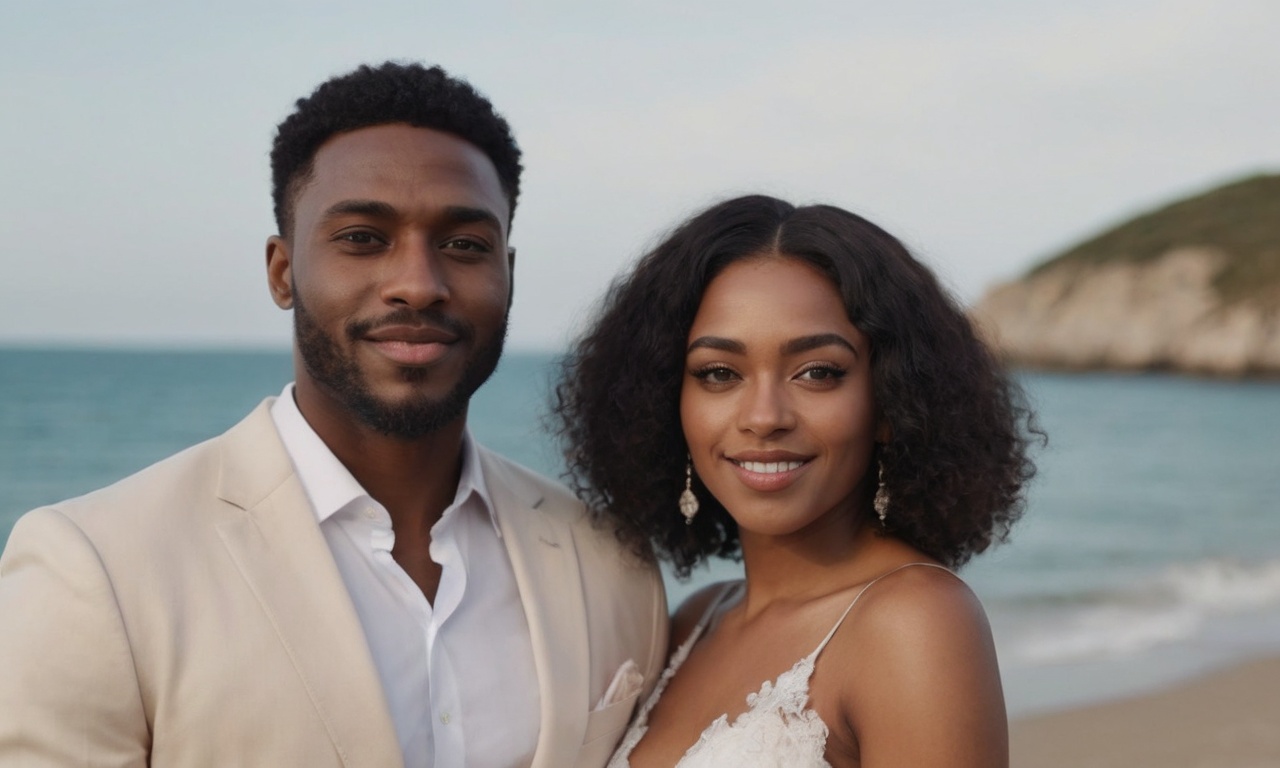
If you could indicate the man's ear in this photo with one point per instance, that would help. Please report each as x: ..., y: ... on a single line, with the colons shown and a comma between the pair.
x: 511, y: 270
x: 280, y: 271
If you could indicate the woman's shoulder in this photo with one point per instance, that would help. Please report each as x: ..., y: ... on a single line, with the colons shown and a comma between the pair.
x: 913, y: 606
x: 694, y: 609
x: 918, y: 591
x: 917, y: 648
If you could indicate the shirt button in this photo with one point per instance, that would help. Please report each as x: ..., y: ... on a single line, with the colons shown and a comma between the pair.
x: 444, y: 718
x: 371, y: 513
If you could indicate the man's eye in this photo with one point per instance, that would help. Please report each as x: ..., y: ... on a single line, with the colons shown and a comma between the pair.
x: 359, y: 237
x: 466, y: 244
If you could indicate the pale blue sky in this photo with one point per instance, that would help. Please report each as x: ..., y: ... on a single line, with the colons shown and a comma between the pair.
x: 986, y: 134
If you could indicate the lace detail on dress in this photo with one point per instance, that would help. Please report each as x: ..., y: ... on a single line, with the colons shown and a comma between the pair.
x: 641, y: 724
x: 777, y: 730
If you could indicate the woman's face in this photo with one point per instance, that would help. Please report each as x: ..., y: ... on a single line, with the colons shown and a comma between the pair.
x: 776, y: 403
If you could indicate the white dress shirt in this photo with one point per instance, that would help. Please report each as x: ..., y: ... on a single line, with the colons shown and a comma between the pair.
x: 458, y: 675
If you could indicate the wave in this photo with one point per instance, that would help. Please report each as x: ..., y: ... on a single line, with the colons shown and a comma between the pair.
x: 1174, y: 605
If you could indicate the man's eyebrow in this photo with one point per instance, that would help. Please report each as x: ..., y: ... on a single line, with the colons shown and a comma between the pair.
x: 717, y: 342
x: 456, y: 214
x: 461, y: 214
x: 810, y: 343
x: 375, y: 208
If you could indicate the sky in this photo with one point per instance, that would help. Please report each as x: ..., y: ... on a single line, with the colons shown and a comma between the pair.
x: 987, y: 135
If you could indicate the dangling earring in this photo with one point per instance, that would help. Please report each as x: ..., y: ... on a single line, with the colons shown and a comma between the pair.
x: 688, y: 502
x: 881, y: 502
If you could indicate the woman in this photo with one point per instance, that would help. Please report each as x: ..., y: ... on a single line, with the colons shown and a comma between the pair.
x: 791, y: 386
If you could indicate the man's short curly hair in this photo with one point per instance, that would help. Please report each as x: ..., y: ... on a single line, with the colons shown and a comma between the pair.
x: 955, y: 466
x: 426, y: 97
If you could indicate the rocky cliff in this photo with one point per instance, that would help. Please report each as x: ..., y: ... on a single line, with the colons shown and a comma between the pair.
x: 1193, y: 286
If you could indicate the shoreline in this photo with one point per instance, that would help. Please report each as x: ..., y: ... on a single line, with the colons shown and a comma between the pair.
x: 1226, y: 717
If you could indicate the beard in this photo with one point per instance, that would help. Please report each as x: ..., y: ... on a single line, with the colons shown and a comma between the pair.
x: 417, y: 416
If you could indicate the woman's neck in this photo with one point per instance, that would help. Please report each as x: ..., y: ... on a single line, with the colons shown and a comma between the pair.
x: 815, y: 562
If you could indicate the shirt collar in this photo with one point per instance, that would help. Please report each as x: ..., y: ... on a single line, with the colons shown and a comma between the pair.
x: 330, y: 486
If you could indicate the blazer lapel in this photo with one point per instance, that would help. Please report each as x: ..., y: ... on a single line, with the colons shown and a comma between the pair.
x: 279, y: 549
x: 541, y: 549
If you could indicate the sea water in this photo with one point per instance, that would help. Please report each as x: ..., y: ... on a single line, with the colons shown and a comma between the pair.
x: 1150, y: 549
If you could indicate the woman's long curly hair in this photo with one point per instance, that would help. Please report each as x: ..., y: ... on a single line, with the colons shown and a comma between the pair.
x: 956, y: 463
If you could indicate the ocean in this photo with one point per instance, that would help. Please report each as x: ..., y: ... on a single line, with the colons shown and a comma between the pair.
x: 1150, y: 550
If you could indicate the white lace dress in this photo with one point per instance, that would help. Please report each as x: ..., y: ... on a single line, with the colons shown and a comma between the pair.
x: 778, y: 730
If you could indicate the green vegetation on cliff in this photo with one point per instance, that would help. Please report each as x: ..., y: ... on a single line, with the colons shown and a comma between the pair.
x: 1242, y: 219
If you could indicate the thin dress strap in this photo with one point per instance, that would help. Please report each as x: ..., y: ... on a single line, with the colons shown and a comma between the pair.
x: 858, y: 596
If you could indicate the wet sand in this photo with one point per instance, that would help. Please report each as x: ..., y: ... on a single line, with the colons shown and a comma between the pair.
x: 1227, y: 719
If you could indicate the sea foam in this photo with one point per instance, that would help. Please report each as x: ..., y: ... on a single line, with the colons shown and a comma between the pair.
x: 1174, y: 605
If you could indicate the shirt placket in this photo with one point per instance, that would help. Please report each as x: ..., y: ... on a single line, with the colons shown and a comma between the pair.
x: 446, y: 701
x: 382, y: 540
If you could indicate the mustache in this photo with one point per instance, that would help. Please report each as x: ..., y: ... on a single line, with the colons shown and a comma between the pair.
x: 430, y: 316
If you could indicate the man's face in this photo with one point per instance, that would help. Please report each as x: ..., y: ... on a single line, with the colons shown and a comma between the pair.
x: 399, y: 275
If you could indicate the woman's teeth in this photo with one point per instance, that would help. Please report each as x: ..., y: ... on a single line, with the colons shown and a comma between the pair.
x: 770, y: 467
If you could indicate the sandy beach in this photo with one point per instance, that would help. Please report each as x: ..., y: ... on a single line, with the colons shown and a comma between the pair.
x: 1227, y: 719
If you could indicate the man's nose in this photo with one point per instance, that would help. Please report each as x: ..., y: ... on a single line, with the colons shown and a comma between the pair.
x: 416, y: 277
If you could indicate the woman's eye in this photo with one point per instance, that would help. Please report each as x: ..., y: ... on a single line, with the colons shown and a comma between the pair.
x: 822, y: 373
x: 716, y: 375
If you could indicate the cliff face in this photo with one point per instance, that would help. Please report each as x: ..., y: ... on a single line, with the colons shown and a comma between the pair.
x: 1161, y: 314
x: 1205, y: 305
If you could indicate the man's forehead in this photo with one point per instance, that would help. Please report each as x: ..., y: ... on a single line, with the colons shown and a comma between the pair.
x: 401, y: 141
x: 409, y: 157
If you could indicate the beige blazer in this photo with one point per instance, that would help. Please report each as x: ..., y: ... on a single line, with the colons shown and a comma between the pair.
x: 192, y: 615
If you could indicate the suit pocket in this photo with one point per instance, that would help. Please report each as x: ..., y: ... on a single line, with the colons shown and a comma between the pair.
x: 604, y: 730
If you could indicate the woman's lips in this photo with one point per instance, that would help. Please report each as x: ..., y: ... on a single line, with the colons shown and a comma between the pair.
x: 766, y: 476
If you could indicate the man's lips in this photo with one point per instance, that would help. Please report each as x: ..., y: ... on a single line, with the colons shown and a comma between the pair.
x: 411, y: 345
x: 412, y: 334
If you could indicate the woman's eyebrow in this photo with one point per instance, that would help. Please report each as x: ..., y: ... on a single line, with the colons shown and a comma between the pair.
x: 792, y: 347
x: 816, y: 341
x: 719, y: 343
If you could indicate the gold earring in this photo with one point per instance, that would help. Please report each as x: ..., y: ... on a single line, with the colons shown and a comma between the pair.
x: 881, y: 502
x: 688, y: 502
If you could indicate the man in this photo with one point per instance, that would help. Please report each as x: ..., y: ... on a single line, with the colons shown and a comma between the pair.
x: 345, y: 577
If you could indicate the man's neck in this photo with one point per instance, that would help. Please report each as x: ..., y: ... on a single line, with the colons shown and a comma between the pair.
x: 414, y: 479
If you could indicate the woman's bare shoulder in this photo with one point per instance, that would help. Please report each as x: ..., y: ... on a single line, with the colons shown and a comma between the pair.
x: 918, y: 599
x: 917, y: 622
x: 918, y: 653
